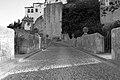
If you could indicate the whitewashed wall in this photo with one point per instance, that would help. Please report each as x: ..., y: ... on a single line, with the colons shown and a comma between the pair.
x: 6, y: 44
x: 35, y: 15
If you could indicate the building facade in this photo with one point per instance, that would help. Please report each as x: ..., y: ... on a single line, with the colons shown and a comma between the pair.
x: 50, y: 22
x: 35, y: 11
x: 52, y: 1
x: 52, y: 19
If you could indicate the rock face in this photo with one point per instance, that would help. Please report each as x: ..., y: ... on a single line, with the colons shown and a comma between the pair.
x: 53, y: 18
x: 115, y: 41
x: 109, y: 13
x: 93, y: 42
x: 6, y: 44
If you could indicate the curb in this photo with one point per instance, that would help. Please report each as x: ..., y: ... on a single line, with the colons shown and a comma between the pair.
x: 16, y: 60
x: 27, y: 56
x: 110, y: 63
x: 32, y: 53
x: 36, y: 51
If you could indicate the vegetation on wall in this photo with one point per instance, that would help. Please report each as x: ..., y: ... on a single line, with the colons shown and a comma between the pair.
x: 106, y: 30
x: 15, y: 25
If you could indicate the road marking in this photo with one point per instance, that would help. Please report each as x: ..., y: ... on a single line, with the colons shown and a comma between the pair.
x: 55, y: 66
x: 19, y: 71
x: 86, y: 62
x: 29, y: 69
x: 64, y: 66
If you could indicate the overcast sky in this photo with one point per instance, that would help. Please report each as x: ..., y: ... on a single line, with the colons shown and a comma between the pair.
x: 12, y: 10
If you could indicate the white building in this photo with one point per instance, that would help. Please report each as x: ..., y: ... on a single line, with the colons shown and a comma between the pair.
x: 52, y: 1
x: 35, y: 11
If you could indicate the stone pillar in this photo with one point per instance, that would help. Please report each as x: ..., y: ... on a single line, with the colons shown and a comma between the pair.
x: 85, y: 37
x: 85, y: 30
x: 115, y: 43
x: 75, y: 42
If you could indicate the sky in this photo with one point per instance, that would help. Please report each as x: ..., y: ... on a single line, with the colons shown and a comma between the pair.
x: 12, y: 10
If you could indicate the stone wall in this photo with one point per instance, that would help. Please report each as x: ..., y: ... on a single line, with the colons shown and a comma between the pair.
x: 65, y: 37
x: 92, y: 42
x: 27, y: 42
x: 115, y: 35
x: 39, y: 24
x: 71, y: 42
x: 53, y: 18
x: 6, y: 44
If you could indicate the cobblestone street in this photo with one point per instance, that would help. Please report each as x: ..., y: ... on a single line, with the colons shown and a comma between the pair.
x: 59, y: 62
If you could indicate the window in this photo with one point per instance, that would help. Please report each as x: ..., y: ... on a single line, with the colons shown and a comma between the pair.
x: 31, y: 10
x: 28, y: 11
x: 28, y: 24
x: 36, y: 10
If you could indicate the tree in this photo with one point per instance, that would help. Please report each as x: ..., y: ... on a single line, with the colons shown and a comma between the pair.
x: 81, y: 13
x: 106, y: 30
x: 15, y: 25
x: 10, y: 26
x: 70, y: 1
x: 110, y: 26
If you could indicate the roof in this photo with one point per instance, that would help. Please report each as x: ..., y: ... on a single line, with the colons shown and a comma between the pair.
x: 38, y: 3
x: 29, y: 7
x: 55, y: 3
x: 33, y: 5
x: 39, y: 18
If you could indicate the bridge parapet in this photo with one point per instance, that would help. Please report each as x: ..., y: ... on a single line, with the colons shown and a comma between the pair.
x: 115, y: 41
x: 92, y: 42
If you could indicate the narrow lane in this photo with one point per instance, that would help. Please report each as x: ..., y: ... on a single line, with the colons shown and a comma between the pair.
x: 58, y: 55
x: 60, y: 62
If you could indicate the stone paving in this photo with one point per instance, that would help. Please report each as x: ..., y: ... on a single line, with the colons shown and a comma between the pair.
x: 36, y: 65
x: 62, y: 63
x: 98, y: 71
